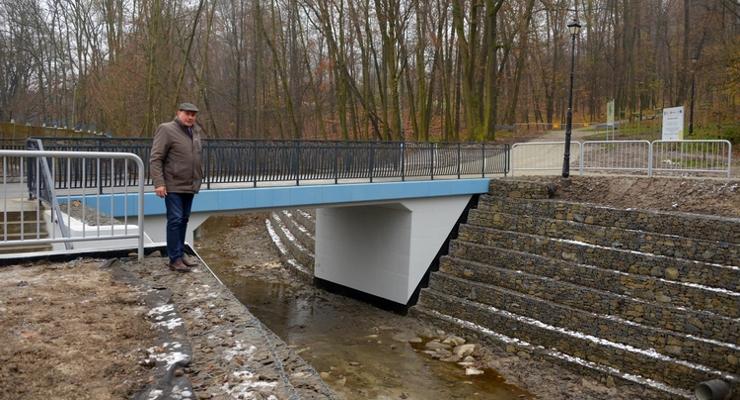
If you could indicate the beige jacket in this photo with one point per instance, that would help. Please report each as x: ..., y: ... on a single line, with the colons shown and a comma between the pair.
x: 176, y: 158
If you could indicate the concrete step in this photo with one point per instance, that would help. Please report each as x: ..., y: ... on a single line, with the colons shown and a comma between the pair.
x: 698, y: 323
x: 15, y: 227
x: 302, y: 254
x: 646, y: 363
x: 653, y: 243
x: 24, y: 248
x: 29, y: 214
x: 307, y: 218
x: 650, y: 389
x: 301, y: 233
x: 718, y: 355
x: 680, y: 270
x: 704, y: 227
x: 718, y: 301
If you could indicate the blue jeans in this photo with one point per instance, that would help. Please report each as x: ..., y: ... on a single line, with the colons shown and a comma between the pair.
x: 178, y: 212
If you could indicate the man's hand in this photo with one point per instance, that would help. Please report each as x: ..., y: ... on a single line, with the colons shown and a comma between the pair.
x: 161, y: 191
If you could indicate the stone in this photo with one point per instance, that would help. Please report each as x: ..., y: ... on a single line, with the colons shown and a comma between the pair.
x: 452, y: 358
x: 454, y: 340
x: 671, y: 273
x: 464, y: 349
x: 324, y: 375
x: 435, y: 344
x: 470, y: 371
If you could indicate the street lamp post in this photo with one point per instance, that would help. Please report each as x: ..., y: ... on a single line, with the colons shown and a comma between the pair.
x: 691, y: 109
x: 573, y: 27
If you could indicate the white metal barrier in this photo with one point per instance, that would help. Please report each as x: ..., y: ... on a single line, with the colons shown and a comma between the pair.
x: 703, y: 156
x: 626, y: 156
x: 616, y: 155
x: 542, y: 157
x: 41, y: 220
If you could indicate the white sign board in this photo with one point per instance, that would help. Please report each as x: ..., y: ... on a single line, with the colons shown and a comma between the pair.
x: 610, y: 113
x: 673, y: 123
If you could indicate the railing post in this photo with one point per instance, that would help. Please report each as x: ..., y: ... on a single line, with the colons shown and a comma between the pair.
x: 431, y: 166
x: 255, y: 165
x: 336, y: 162
x: 403, y: 161
x: 458, y: 159
x: 650, y: 159
x: 297, y: 162
x: 581, y: 154
x: 208, y: 164
x: 507, y: 158
x: 483, y: 160
x: 371, y: 162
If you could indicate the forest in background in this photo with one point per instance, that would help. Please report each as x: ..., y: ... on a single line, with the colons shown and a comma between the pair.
x: 443, y: 70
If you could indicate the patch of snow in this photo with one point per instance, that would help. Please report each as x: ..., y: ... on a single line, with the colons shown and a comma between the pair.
x: 556, y: 354
x: 167, y: 308
x: 170, y: 324
x: 650, y: 352
x: 283, y: 250
x: 239, y: 349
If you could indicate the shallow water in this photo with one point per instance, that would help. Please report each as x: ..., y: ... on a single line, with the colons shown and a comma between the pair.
x: 352, y: 343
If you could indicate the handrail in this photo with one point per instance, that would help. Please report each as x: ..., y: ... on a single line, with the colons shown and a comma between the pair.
x: 90, y: 155
x: 293, y: 161
x: 49, y: 195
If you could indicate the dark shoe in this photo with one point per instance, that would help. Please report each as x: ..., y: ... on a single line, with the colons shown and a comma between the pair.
x: 179, y: 266
x: 189, y: 261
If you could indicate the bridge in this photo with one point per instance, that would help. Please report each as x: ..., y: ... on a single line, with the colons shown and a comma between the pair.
x: 384, y: 210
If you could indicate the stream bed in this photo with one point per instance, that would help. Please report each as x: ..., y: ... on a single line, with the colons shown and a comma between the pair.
x: 362, y: 352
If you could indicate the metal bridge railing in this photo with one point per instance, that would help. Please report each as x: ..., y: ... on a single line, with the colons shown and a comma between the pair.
x: 24, y: 221
x: 292, y: 162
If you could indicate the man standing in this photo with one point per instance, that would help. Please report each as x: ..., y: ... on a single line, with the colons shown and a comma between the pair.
x: 176, y: 170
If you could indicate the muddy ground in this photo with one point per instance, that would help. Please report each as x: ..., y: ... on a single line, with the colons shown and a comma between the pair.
x: 681, y: 194
x: 70, y: 332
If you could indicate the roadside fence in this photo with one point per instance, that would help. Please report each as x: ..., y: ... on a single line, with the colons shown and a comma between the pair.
x: 681, y: 157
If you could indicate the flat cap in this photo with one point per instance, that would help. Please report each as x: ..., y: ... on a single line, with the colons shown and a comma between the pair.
x: 188, y: 107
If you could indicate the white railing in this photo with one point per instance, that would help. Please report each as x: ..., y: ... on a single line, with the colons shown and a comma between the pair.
x: 43, y: 220
x: 626, y: 156
x: 541, y: 156
x: 703, y: 156
x: 615, y: 155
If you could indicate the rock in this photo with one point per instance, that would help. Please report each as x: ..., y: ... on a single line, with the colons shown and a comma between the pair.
x: 435, y: 345
x: 156, y: 254
x: 469, y: 359
x: 464, y: 349
x: 671, y: 273
x: 466, y: 364
x: 453, y: 358
x: 442, y: 353
x: 354, y: 363
x: 473, y: 371
x: 324, y: 375
x: 454, y: 340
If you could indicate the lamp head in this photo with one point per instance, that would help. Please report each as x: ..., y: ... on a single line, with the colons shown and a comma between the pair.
x: 574, y: 27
